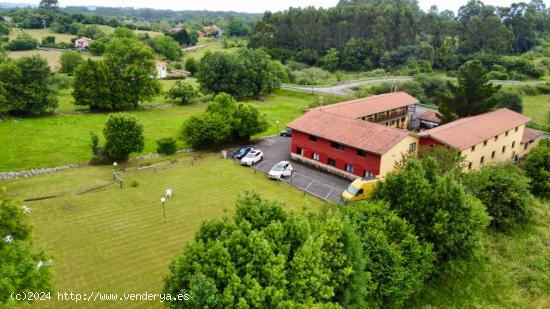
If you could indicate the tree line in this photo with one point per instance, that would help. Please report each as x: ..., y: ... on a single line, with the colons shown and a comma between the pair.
x: 367, y: 34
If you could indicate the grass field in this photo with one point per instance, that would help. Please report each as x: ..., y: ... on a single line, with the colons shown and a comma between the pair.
x: 114, y: 240
x: 63, y: 139
x: 514, y: 272
x: 52, y: 56
x: 538, y: 108
x: 39, y: 34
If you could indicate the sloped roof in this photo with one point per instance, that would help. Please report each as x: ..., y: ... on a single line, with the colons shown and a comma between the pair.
x: 359, y: 134
x: 467, y: 132
x: 430, y: 116
x: 159, y: 63
x: 370, y: 105
x: 530, y: 135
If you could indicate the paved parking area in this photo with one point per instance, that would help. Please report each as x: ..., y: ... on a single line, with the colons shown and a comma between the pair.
x: 321, y: 184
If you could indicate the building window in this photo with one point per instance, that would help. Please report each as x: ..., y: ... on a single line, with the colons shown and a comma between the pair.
x: 493, y: 154
x: 514, y: 156
x: 470, y: 165
x: 503, y: 149
x: 485, y: 143
x: 412, y: 147
x: 517, y: 129
x: 337, y: 146
x: 513, y: 144
x: 496, y: 138
x: 315, y: 156
x: 299, y: 151
x: 313, y: 138
x: 525, y: 147
x: 331, y: 162
x: 482, y: 160
x: 473, y: 148
x: 349, y: 168
x: 361, y: 153
x: 506, y: 134
x: 367, y: 174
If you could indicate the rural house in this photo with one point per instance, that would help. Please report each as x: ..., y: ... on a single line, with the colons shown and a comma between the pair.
x: 82, y: 43
x: 162, y: 70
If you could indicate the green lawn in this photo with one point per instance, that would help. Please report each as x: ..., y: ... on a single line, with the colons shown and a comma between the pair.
x: 538, y: 108
x: 63, y: 139
x: 514, y: 272
x: 114, y: 240
x: 52, y: 56
x: 39, y: 34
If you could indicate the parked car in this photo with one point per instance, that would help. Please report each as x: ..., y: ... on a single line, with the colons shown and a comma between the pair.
x: 286, y: 132
x: 252, y: 157
x: 241, y: 152
x: 280, y: 170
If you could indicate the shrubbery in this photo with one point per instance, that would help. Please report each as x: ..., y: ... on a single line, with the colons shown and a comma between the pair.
x: 504, y: 191
x: 166, y: 146
x: 69, y: 60
x: 23, y: 41
x: 123, y: 135
x: 182, y: 92
x: 537, y: 167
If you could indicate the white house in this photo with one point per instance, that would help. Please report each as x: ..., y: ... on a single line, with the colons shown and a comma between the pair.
x: 161, y: 69
x: 82, y: 43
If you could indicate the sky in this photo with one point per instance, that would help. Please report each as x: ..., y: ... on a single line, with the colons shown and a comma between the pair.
x: 252, y: 6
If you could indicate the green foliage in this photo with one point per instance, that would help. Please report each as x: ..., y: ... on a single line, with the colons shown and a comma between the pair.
x: 49, y: 4
x: 166, y: 146
x: 225, y: 120
x: 236, y: 27
x: 123, y: 135
x: 90, y: 31
x: 182, y: 92
x: 395, y: 259
x: 96, y: 47
x: 265, y: 257
x: 243, y: 74
x: 167, y: 47
x: 191, y: 65
x: 23, y: 41
x: 472, y: 96
x: 504, y: 191
x: 123, y: 79
x: 537, y: 168
x: 438, y: 208
x: 27, y: 86
x: 19, y: 270
x: 331, y: 60
x: 509, y: 99
x: 69, y: 61
x: 4, y: 29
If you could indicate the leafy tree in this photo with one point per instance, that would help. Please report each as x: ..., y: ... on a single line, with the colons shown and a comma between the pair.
x: 441, y: 213
x: 124, y: 33
x: 245, y: 73
x: 23, y: 41
x: 167, y: 47
x: 248, y: 121
x: 27, y: 84
x: 193, y: 38
x: 396, y: 260
x: 191, y: 65
x: 205, y: 130
x: 509, y: 99
x: 236, y: 27
x: 331, y: 60
x: 183, y: 92
x: 91, y: 86
x: 504, y: 191
x: 23, y: 270
x: 167, y: 146
x: 96, y: 47
x: 486, y: 34
x: 265, y: 257
x: 537, y: 168
x: 49, y: 4
x: 69, y: 61
x: 123, y: 135
x: 472, y: 96
x: 181, y: 37
x: 4, y: 29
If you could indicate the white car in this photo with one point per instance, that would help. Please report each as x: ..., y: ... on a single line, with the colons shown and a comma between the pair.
x: 280, y: 170
x: 252, y: 157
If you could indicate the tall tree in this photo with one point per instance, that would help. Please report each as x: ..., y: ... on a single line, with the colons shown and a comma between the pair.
x: 49, y: 4
x: 473, y: 95
x: 23, y: 269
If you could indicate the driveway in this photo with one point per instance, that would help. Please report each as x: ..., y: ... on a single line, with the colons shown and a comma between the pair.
x: 323, y: 185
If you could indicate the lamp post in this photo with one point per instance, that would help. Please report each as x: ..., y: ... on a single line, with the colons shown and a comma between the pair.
x: 277, y: 122
x: 163, y: 201
x: 114, y: 166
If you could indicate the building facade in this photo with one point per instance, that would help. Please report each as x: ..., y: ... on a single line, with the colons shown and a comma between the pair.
x: 82, y: 43
x: 162, y: 70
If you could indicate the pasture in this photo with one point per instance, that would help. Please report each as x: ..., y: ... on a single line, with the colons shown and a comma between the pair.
x: 52, y: 56
x: 63, y: 139
x: 538, y: 108
x: 114, y: 240
x: 39, y: 34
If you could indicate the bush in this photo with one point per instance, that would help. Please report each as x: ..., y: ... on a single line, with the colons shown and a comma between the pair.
x: 496, y: 75
x: 123, y: 135
x: 48, y: 41
x: 206, y: 130
x: 22, y: 42
x: 166, y: 146
x: 69, y: 60
x: 504, y: 190
x: 191, y: 65
x: 96, y: 48
x: 537, y: 168
x: 134, y: 183
x: 509, y: 99
x: 182, y: 92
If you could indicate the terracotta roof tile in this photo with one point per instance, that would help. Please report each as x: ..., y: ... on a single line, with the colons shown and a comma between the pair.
x: 470, y: 131
x: 530, y: 135
x: 369, y: 105
x: 429, y: 116
x: 360, y: 134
